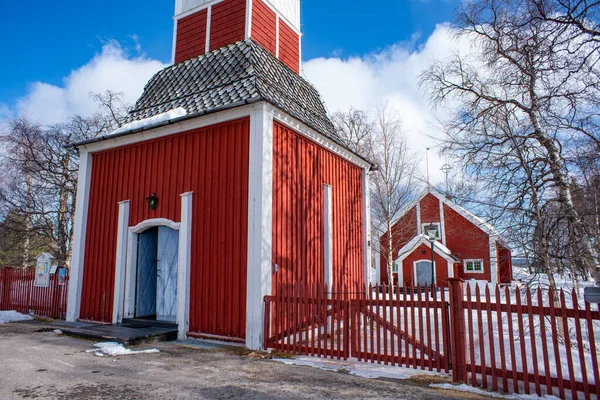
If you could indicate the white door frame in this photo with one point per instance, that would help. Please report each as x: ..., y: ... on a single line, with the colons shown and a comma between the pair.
x: 415, y: 283
x: 126, y: 265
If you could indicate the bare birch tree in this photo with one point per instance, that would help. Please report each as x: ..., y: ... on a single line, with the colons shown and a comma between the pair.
x: 393, y: 184
x: 544, y: 75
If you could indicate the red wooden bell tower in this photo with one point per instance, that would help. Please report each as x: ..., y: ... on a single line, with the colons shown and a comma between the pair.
x: 202, y: 26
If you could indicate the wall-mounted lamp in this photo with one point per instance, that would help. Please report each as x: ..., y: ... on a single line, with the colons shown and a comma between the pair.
x: 152, y: 201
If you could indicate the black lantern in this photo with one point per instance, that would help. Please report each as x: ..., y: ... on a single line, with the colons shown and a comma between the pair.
x: 152, y: 201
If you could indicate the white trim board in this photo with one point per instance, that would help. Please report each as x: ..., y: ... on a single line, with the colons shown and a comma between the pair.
x: 328, y: 144
x: 260, y: 223
x: 222, y: 117
x: 79, y: 237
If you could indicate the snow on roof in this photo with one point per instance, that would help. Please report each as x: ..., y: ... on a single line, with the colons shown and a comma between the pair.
x: 422, y: 239
x: 151, y: 121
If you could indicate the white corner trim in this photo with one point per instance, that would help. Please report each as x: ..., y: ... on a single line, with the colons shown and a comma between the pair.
x: 328, y: 235
x: 450, y: 269
x: 174, y: 51
x: 248, y: 19
x: 184, y: 266
x: 180, y: 127
x: 277, y: 19
x: 419, y: 225
x: 299, y: 127
x: 121, y: 262
x: 367, y: 246
x: 260, y: 223
x: 493, y: 261
x: 79, y: 237
x: 442, y: 222
x: 208, y: 25
x: 197, y: 9
x: 151, y: 223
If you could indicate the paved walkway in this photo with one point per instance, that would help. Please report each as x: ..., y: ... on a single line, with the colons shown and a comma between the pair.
x: 36, y: 363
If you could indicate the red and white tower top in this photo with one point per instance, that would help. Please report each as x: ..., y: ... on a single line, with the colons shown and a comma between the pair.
x: 202, y: 26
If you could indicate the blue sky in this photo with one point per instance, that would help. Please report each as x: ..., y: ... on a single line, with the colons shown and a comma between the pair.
x: 48, y: 40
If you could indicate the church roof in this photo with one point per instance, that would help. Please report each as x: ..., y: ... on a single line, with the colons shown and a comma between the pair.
x: 238, y: 74
x: 232, y: 76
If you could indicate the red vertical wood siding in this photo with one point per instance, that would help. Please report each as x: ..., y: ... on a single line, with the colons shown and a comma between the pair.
x: 264, y: 26
x: 191, y: 36
x: 212, y: 162
x: 467, y: 241
x: 430, y: 209
x: 504, y: 265
x: 403, y: 232
x: 300, y: 169
x: 228, y: 23
x: 289, y: 46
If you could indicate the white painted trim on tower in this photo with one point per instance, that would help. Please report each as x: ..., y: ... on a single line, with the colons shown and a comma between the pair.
x: 79, y: 236
x: 121, y: 262
x: 197, y: 9
x: 208, y: 24
x: 184, y: 266
x: 277, y: 19
x: 174, y: 51
x: 328, y: 235
x: 248, y: 19
x: 260, y: 223
x: 293, y: 25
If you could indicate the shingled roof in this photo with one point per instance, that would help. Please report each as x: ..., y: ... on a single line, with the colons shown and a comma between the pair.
x: 238, y: 74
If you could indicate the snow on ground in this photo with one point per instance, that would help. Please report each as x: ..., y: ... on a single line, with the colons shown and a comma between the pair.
x: 147, y: 122
x: 13, y: 316
x: 113, y: 349
x: 471, y: 389
x: 358, y: 368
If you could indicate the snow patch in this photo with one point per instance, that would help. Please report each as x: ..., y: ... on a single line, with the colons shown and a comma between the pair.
x: 113, y: 349
x: 357, y: 368
x: 13, y: 316
x: 147, y: 122
x: 474, y: 390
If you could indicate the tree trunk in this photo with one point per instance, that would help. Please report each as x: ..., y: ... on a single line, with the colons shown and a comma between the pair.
x: 557, y: 167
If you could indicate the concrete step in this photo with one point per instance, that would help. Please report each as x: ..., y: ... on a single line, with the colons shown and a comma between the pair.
x: 126, y: 335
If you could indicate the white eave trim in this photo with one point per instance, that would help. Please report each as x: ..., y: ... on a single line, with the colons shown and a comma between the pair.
x: 292, y: 123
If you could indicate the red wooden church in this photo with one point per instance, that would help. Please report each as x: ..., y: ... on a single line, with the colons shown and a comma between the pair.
x: 227, y: 181
x: 464, y: 245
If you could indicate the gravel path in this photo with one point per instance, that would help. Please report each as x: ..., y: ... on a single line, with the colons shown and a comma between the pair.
x: 36, y: 363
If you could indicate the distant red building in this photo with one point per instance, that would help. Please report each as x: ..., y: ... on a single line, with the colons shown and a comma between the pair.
x: 227, y: 182
x: 466, y: 246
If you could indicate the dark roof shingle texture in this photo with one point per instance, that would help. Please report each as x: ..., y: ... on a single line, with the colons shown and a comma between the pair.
x: 240, y: 73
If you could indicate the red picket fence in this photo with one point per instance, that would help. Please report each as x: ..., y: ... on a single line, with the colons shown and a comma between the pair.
x: 17, y: 292
x: 525, y: 342
x: 402, y: 326
x: 490, y: 339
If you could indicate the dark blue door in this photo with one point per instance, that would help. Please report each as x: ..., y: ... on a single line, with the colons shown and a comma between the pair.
x: 146, y: 274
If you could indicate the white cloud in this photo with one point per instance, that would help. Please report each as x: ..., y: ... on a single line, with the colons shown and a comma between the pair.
x: 112, y: 69
x: 393, y: 76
